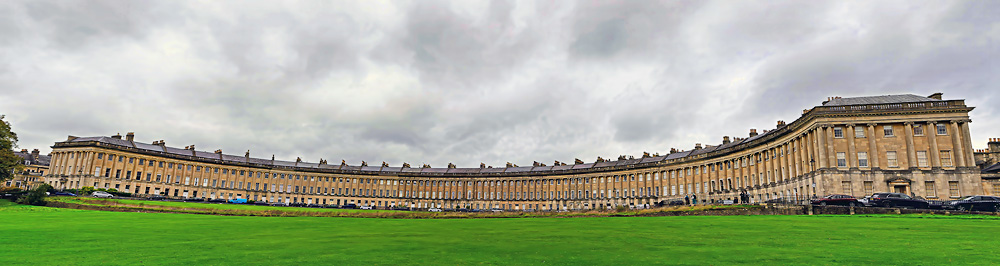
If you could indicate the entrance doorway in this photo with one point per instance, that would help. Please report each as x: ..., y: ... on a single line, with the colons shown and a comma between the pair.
x: 899, y: 189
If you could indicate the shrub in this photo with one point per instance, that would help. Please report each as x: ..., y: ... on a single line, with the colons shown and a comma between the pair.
x: 9, y: 189
x: 35, y: 197
x: 86, y: 190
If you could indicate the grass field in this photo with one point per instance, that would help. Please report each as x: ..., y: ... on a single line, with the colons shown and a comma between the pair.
x: 49, y: 236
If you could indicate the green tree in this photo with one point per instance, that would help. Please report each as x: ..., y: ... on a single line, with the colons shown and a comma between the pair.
x: 9, y: 162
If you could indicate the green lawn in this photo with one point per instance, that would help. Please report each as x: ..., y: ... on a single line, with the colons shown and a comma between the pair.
x: 48, y: 236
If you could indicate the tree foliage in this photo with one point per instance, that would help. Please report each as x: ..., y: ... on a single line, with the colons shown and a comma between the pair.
x: 9, y: 162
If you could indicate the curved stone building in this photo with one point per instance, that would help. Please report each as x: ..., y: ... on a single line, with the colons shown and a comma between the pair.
x: 858, y: 146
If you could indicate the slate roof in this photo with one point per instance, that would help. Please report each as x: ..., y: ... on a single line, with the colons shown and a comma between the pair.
x: 992, y: 169
x: 41, y: 160
x: 902, y: 98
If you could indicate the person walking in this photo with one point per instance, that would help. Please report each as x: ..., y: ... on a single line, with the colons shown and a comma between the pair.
x: 687, y: 200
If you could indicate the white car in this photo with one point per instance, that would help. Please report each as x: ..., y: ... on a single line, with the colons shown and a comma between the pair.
x: 102, y: 194
x: 366, y: 207
x: 434, y: 210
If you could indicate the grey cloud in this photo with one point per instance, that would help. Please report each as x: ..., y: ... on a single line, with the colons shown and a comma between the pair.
x: 467, y: 82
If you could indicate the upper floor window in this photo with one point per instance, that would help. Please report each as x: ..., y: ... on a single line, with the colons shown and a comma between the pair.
x: 887, y: 131
x: 921, y: 159
x: 946, y: 158
x: 841, y: 159
x: 890, y: 157
x: 918, y: 130
x: 941, y: 129
x: 859, y: 132
x: 838, y: 132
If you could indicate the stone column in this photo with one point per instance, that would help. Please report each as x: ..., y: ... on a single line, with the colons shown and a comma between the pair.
x: 873, y: 153
x: 958, y: 152
x: 967, y: 142
x: 911, y: 155
x: 931, y: 133
x: 852, y: 154
x: 821, y: 144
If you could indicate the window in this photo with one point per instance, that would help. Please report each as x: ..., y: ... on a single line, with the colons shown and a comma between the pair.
x: 929, y: 188
x: 918, y: 130
x: 841, y: 159
x: 859, y: 132
x: 887, y: 131
x: 846, y: 186
x: 890, y: 157
x: 838, y: 132
x: 996, y: 188
x: 922, y: 158
x: 941, y: 129
x: 869, y: 187
x: 953, y: 189
x: 946, y: 158
x: 862, y: 159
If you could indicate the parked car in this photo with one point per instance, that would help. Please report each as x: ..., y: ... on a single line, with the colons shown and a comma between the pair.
x: 218, y: 200
x: 194, y: 199
x: 62, y: 193
x: 102, y: 194
x: 349, y: 206
x: 892, y: 200
x: 278, y: 204
x: 434, y: 210
x: 841, y: 200
x: 366, y: 207
x: 975, y: 203
x: 156, y: 197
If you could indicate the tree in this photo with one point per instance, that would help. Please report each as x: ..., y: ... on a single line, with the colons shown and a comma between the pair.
x: 10, y: 163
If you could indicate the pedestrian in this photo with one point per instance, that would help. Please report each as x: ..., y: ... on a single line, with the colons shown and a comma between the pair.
x: 687, y: 200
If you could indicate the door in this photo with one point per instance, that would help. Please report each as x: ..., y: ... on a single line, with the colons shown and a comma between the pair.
x: 899, y: 189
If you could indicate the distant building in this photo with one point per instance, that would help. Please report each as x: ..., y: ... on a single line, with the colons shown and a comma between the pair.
x: 35, y: 167
x: 857, y: 146
x: 989, y: 161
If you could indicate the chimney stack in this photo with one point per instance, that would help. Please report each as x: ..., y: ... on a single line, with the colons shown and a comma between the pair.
x: 219, y: 151
x: 24, y: 150
x: 71, y: 138
x: 451, y: 166
x: 162, y: 143
x: 117, y: 136
x: 34, y: 153
x: 130, y: 136
x: 725, y: 139
x: 753, y: 132
x: 936, y: 96
x: 697, y: 146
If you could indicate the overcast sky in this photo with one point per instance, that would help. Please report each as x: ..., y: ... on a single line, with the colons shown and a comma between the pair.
x: 474, y: 81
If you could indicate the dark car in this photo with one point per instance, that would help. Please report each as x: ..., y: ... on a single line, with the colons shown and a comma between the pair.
x: 63, y: 193
x: 156, y: 197
x: 841, y: 200
x: 194, y: 199
x: 975, y: 203
x: 218, y: 200
x: 260, y: 203
x: 349, y: 206
x: 893, y: 200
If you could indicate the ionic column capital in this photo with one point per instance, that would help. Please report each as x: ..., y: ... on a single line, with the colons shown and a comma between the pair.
x: 908, y: 123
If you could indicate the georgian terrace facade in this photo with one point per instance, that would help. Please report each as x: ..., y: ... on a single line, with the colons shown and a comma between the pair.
x: 857, y: 146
